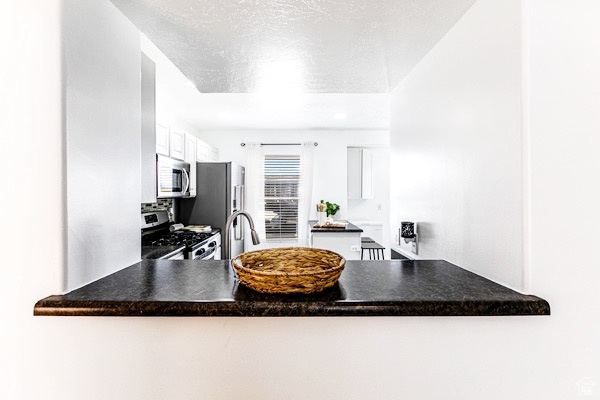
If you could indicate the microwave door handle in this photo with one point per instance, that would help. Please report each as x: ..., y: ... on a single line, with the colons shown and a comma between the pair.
x: 187, y: 181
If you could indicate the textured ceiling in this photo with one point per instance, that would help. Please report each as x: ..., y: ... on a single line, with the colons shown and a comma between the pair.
x: 312, y: 46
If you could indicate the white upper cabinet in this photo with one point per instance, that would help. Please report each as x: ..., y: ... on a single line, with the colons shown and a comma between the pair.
x: 360, y: 173
x: 366, y: 187
x: 202, y: 153
x: 148, y: 143
x: 183, y: 146
x: 354, y: 173
x: 190, y: 157
x: 214, y: 154
x: 177, y: 144
x: 162, y: 139
x: 206, y: 152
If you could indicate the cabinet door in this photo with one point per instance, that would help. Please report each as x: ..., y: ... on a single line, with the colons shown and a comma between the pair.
x: 177, y: 144
x: 366, y: 174
x: 203, y: 152
x: 214, y: 154
x: 354, y: 173
x: 162, y: 140
x: 148, y: 144
x: 190, y: 157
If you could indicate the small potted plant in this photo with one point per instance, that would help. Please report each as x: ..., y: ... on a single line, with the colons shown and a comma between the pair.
x: 331, y: 208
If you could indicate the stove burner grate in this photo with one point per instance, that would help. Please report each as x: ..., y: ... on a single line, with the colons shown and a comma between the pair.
x: 178, y: 238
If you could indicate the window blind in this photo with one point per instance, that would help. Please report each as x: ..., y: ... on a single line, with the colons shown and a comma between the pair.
x: 282, y: 180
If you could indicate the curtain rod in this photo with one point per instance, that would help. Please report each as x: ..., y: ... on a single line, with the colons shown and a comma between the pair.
x: 279, y: 144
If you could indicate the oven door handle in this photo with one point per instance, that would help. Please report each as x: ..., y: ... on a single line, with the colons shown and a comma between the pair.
x: 209, y: 256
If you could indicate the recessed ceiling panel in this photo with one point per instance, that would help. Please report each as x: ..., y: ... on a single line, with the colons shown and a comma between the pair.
x: 311, y: 46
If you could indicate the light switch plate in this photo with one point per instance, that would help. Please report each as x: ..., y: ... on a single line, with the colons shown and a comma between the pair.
x: 354, y: 248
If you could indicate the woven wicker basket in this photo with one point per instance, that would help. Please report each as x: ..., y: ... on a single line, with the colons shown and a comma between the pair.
x: 289, y: 269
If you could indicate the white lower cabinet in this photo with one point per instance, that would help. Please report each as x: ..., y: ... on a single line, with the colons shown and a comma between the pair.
x: 346, y: 244
x: 372, y: 229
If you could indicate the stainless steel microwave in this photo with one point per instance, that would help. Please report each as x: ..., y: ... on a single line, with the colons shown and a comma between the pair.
x: 172, y: 178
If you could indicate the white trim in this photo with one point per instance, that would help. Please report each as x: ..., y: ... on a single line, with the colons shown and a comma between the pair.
x: 526, y: 146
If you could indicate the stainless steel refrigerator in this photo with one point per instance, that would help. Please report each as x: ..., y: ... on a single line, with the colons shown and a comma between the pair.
x: 220, y: 191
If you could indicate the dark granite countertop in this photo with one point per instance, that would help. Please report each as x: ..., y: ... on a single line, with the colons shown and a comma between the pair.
x: 350, y: 228
x: 366, y: 288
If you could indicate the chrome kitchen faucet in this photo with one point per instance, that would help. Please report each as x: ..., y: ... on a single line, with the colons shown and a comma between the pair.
x: 253, y: 233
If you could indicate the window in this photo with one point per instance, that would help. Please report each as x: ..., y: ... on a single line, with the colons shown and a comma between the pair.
x: 282, y: 178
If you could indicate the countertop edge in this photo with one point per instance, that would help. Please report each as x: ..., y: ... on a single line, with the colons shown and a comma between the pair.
x: 54, y: 306
x: 350, y: 228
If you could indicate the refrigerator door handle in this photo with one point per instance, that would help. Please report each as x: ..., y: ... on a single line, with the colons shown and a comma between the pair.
x: 234, y: 205
x: 242, y: 207
x: 238, y: 227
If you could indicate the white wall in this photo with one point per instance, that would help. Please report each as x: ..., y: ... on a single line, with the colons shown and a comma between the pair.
x: 456, y: 145
x: 343, y: 358
x: 102, y: 124
x: 563, y: 130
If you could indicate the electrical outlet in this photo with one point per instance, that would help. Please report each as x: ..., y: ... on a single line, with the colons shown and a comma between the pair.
x: 397, y: 239
x: 414, y: 247
x: 354, y: 248
x: 379, y: 207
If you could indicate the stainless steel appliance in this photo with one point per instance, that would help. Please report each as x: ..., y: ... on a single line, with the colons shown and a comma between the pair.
x: 172, y: 177
x: 158, y: 242
x: 206, y: 250
x: 219, y: 193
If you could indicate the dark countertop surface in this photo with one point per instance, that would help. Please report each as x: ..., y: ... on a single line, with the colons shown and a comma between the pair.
x: 350, y: 228
x: 366, y: 288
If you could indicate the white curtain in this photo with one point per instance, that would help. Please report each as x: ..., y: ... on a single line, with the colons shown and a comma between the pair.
x: 307, y: 158
x: 255, y: 193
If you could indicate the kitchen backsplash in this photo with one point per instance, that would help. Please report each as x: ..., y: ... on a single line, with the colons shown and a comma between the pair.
x: 160, y: 205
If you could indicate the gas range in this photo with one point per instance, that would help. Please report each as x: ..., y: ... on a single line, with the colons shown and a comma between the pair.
x: 181, y: 237
x: 160, y: 242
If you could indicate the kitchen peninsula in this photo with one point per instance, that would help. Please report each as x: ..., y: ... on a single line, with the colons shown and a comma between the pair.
x: 365, y: 288
x: 344, y: 241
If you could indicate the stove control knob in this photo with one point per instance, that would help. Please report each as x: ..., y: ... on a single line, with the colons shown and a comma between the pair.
x: 212, y: 244
x: 201, y: 251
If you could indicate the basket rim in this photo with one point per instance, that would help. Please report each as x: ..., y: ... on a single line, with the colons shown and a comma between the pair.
x: 276, y: 273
